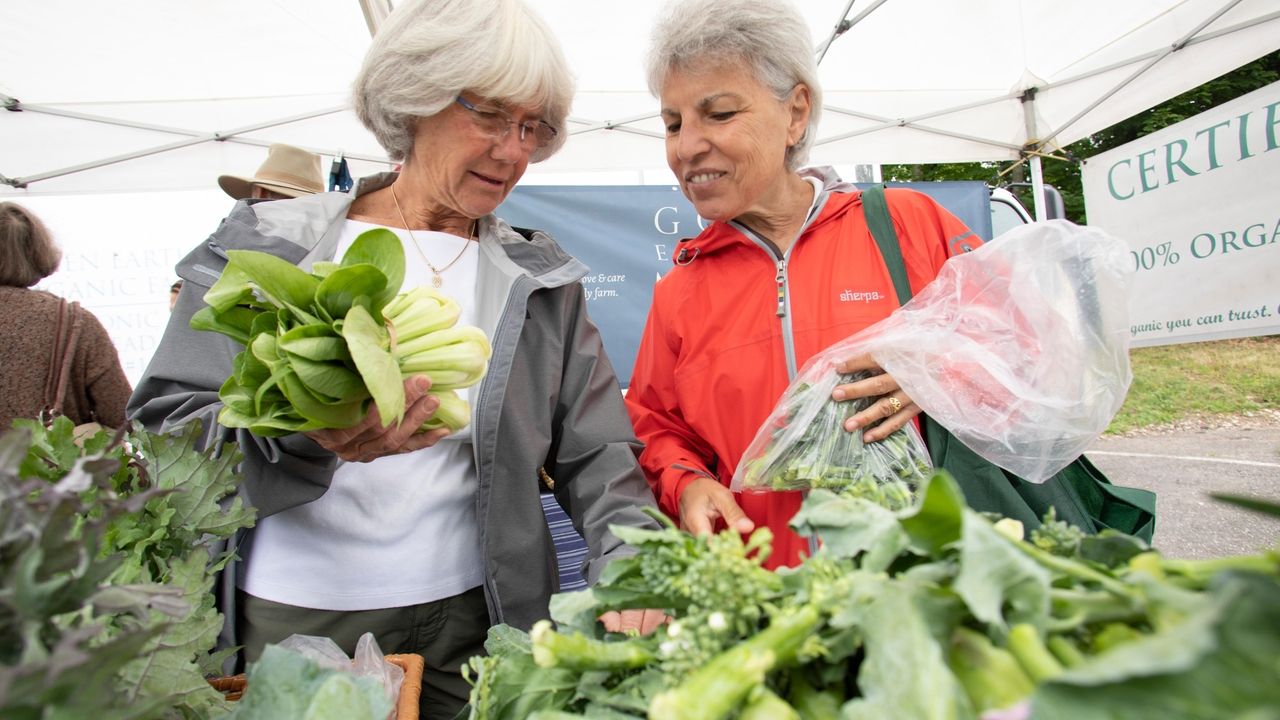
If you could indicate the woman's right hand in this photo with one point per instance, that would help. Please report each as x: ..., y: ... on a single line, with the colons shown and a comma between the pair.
x: 368, y: 440
x: 704, y: 501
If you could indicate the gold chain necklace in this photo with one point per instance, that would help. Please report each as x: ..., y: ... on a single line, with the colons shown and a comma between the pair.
x: 436, y: 280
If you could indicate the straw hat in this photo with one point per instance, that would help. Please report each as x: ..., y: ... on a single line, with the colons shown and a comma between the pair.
x: 287, y: 170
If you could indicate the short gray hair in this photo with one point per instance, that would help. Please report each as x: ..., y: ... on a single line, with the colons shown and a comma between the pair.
x: 28, y: 253
x: 770, y: 36
x: 428, y: 51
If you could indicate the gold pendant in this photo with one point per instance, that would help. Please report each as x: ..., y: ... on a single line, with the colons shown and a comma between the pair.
x: 437, y: 281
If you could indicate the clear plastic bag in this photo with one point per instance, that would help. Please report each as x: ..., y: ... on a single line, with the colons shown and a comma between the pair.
x: 1020, y: 349
x: 806, y: 445
x: 368, y: 661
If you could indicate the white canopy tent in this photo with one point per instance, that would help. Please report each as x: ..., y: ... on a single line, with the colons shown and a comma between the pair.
x: 143, y: 95
x: 123, y: 114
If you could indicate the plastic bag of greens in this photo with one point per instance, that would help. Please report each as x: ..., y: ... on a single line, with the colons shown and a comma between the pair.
x: 1019, y: 348
x: 804, y: 445
x: 368, y: 660
x: 302, y: 678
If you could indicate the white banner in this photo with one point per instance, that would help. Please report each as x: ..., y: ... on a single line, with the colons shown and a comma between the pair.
x: 118, y: 254
x: 1199, y: 204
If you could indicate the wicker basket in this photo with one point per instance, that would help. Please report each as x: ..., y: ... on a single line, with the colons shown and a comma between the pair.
x: 233, y: 686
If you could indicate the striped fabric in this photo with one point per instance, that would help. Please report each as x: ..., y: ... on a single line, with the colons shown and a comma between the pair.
x: 571, y: 549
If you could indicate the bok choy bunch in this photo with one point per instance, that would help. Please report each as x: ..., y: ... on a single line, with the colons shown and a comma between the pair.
x: 320, y: 345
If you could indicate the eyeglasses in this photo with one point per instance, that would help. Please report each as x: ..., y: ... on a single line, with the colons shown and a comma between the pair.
x: 497, y: 123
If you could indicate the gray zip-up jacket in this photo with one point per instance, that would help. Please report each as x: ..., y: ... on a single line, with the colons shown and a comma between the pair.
x: 550, y: 398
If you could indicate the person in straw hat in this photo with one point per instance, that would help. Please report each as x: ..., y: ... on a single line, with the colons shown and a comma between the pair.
x: 288, y: 172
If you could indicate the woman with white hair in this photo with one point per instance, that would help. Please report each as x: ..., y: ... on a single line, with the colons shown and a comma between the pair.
x: 428, y: 538
x: 787, y: 267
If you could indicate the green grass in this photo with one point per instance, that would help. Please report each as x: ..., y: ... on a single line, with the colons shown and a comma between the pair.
x: 1225, y: 377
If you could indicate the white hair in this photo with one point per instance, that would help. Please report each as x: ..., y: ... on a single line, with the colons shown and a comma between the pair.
x: 769, y: 36
x: 429, y: 51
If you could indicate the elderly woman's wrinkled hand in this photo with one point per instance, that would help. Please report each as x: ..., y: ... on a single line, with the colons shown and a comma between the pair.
x: 369, y: 440
x: 893, y: 410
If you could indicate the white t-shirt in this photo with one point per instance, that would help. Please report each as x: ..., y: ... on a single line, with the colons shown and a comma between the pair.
x: 399, y: 530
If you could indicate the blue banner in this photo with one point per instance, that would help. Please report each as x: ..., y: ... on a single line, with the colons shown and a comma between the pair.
x: 625, y: 234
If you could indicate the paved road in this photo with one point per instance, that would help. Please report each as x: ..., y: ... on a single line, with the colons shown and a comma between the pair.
x: 1183, y: 465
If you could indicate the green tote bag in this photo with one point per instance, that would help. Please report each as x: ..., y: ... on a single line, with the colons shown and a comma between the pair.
x: 1079, y: 493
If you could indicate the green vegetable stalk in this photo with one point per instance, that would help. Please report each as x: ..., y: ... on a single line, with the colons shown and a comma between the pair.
x: 812, y: 703
x: 1032, y: 654
x: 991, y: 677
x: 764, y: 704
x: 579, y: 652
x: 719, y: 687
x: 1066, y: 651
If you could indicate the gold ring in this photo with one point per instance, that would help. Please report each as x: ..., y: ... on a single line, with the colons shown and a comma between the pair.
x: 894, y: 404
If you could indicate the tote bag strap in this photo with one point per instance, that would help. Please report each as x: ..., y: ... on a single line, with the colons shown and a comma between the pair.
x: 876, y: 211
x: 64, y: 340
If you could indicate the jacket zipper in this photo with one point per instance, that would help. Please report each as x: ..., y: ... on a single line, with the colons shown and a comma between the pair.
x: 781, y: 279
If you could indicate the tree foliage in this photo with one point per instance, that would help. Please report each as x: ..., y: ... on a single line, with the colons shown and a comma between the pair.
x: 1066, y: 175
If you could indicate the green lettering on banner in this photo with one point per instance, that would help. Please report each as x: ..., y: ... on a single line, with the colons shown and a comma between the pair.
x: 1273, y: 119
x: 1229, y: 241
x: 1244, y: 136
x: 1111, y: 181
x: 1170, y: 161
x: 1262, y: 235
x: 1207, y: 244
x: 1213, y: 142
x: 1146, y: 327
x: 1254, y: 314
x: 1144, y: 168
x: 1195, y: 245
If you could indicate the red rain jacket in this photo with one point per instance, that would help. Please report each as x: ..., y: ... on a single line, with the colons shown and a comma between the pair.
x: 712, y: 362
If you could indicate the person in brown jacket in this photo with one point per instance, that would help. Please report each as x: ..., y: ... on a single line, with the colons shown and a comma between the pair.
x: 55, y: 356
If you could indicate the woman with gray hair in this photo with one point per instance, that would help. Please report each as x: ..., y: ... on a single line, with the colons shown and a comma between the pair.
x: 787, y: 266
x: 428, y: 538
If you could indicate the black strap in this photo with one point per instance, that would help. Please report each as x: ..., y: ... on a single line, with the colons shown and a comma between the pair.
x: 876, y: 210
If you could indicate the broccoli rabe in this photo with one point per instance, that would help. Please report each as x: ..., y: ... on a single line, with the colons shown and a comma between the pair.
x: 1057, y: 536
x: 923, y: 611
x: 822, y: 454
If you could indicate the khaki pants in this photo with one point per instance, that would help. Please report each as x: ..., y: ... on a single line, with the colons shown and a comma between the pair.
x: 446, y: 633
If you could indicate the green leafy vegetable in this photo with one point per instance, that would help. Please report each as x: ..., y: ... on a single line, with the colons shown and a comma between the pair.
x: 321, y: 346
x: 920, y: 611
x: 106, y: 599
x: 286, y: 684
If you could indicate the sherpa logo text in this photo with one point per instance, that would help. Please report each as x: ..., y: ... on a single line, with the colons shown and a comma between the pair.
x: 863, y: 297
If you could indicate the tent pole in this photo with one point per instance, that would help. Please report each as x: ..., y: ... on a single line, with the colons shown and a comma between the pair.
x: 375, y: 11
x: 195, y: 138
x: 1031, y: 148
x: 1185, y: 40
x: 1037, y: 187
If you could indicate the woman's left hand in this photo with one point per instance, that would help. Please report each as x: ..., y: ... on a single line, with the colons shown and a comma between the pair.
x: 633, y: 622
x: 894, y: 409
